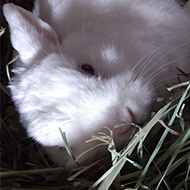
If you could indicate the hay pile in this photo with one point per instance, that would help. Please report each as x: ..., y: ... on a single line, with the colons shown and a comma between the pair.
x: 157, y: 158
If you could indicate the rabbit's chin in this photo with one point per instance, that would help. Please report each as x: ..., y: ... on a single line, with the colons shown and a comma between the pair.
x: 89, y: 151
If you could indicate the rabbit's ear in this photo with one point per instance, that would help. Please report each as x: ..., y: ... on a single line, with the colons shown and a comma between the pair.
x: 29, y: 34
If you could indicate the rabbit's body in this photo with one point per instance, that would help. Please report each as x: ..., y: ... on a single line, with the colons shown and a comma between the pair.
x: 133, y: 48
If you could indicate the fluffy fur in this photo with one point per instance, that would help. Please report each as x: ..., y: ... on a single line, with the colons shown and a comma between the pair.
x: 134, y: 47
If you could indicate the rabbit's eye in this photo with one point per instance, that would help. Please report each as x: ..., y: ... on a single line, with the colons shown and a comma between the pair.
x: 87, y: 69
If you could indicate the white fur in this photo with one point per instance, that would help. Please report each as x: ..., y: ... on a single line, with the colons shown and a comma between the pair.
x: 109, y: 53
x: 134, y: 47
x: 187, y: 7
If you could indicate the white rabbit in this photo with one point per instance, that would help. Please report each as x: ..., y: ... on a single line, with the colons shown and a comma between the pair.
x: 85, y: 64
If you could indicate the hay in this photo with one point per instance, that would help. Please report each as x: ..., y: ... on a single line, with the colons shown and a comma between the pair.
x: 156, y: 158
